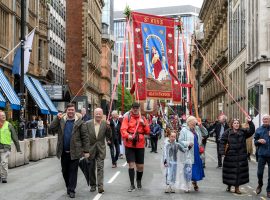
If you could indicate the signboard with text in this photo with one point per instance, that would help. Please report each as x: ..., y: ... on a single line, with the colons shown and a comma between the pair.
x: 55, y: 92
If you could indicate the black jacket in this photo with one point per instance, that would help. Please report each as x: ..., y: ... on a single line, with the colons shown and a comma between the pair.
x: 116, y: 135
x: 235, y: 164
x: 216, y: 129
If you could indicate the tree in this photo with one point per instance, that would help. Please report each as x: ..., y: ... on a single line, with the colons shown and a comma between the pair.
x: 127, y: 99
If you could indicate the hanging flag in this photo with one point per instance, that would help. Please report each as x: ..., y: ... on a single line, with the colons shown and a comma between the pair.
x: 16, y: 69
x: 154, y: 48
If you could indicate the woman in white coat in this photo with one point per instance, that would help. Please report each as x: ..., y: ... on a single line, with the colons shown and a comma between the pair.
x: 191, y: 138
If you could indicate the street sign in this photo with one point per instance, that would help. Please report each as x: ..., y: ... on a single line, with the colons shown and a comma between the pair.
x: 55, y: 92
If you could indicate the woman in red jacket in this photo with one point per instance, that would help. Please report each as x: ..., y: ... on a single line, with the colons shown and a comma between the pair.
x: 133, y: 129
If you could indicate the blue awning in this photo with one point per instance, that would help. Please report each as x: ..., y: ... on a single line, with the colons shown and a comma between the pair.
x: 2, y: 101
x: 35, y: 95
x: 44, y: 96
x: 8, y: 91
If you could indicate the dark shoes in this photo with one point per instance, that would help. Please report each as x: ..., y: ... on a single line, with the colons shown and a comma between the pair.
x: 131, y: 188
x: 228, y: 188
x: 259, y: 189
x: 4, y: 180
x: 237, y: 191
x: 72, y: 195
x: 268, y: 194
x: 196, y: 187
x: 156, y: 152
x: 114, y: 165
x: 93, y: 189
x: 139, y: 184
x: 101, y: 190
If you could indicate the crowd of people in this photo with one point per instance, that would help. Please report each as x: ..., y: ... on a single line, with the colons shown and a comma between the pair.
x: 183, y: 149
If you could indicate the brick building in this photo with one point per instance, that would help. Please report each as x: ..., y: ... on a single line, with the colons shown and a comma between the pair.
x: 83, y: 49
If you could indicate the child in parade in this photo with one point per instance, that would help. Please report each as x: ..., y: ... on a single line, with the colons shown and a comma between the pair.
x: 171, y: 148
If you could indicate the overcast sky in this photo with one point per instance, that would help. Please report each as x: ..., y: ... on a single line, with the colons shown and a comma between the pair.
x: 141, y: 4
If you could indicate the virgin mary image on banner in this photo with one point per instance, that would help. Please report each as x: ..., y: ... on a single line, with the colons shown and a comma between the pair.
x: 156, y: 64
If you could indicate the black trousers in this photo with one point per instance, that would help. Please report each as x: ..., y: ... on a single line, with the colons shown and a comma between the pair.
x: 219, y: 156
x: 261, y: 164
x: 154, y: 141
x: 115, y: 151
x: 69, y: 171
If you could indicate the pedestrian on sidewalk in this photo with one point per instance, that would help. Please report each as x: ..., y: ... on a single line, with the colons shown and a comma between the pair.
x: 98, y: 130
x: 233, y: 146
x: 170, y: 151
x: 116, y: 138
x: 262, y: 142
x: 191, y: 138
x: 7, y: 133
x: 33, y: 126
x: 155, y: 132
x: 133, y: 130
x: 219, y: 127
x: 40, y: 127
x: 72, y: 142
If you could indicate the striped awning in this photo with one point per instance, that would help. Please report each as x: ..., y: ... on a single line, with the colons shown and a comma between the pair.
x: 2, y: 101
x: 9, y: 92
x: 44, y: 96
x: 35, y: 95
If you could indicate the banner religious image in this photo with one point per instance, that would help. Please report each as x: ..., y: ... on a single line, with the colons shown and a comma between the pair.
x: 154, y: 52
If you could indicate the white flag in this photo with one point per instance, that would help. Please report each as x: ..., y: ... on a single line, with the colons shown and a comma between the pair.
x: 27, y: 49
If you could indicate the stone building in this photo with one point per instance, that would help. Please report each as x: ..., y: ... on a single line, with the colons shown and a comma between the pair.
x: 214, y: 46
x: 83, y: 49
x: 10, y: 32
x: 258, y: 56
x: 237, y: 56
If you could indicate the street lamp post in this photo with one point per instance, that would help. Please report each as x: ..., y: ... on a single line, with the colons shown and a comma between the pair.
x: 22, y: 94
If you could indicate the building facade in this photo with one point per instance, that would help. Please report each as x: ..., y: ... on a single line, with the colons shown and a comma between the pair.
x: 10, y: 32
x: 83, y: 50
x: 237, y: 56
x: 258, y: 57
x: 214, y: 47
x: 57, y: 39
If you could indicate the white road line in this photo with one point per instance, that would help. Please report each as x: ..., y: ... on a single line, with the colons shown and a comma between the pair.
x: 210, y: 156
x: 249, y: 187
x: 114, y: 177
x: 97, y: 197
x: 124, y: 164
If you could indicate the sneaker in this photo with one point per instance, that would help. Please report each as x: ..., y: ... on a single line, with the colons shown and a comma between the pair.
x: 131, y: 188
x: 172, y: 189
x: 167, y: 189
x: 139, y: 184
x: 101, y: 190
x: 92, y: 189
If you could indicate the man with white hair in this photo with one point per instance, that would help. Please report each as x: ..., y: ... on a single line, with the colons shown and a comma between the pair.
x: 98, y: 130
x: 219, y: 128
x: 116, y: 138
x: 262, y: 142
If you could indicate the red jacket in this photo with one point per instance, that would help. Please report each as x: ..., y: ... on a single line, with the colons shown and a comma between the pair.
x: 129, y: 125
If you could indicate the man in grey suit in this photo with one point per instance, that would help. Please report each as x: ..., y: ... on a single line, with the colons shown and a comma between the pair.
x: 98, y: 130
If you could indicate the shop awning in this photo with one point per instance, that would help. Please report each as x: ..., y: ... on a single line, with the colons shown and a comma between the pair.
x: 2, y: 101
x: 35, y: 95
x: 8, y: 91
x: 44, y: 96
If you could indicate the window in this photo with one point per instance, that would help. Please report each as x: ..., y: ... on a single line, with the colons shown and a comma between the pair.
x: 4, y: 27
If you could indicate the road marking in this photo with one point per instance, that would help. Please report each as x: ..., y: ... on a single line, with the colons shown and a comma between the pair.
x: 124, y: 164
x: 211, y: 156
x: 249, y: 187
x: 97, y: 197
x: 114, y: 177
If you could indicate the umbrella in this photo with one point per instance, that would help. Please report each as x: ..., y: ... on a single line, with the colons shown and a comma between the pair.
x: 86, y: 165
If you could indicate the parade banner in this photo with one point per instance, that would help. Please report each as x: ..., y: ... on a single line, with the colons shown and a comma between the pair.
x: 154, y: 52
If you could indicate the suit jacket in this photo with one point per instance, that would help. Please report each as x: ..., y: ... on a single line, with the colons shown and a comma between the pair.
x: 79, y: 142
x: 97, y: 144
x: 116, y: 134
x: 217, y: 127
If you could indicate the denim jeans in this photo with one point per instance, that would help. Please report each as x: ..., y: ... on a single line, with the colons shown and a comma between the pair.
x: 261, y: 164
x: 34, y: 132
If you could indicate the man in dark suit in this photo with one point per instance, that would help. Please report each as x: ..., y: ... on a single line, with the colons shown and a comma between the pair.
x: 116, y: 138
x: 98, y: 130
x: 219, y: 128
x: 72, y: 141
x: 85, y: 117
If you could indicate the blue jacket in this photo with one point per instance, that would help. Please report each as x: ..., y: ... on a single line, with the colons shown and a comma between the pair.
x: 263, y: 133
x: 155, y: 130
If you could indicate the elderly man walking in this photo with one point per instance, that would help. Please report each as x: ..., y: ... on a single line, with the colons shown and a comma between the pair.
x: 98, y: 130
x: 72, y: 142
x: 262, y: 142
x: 7, y: 133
